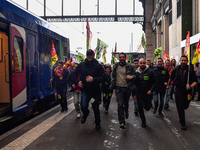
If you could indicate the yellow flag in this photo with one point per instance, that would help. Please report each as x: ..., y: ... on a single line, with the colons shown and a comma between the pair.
x: 196, y: 55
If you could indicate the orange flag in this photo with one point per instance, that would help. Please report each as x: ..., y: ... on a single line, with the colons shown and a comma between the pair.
x: 54, y: 56
x: 166, y: 56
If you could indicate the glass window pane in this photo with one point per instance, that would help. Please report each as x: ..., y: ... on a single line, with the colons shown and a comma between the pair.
x: 18, y: 54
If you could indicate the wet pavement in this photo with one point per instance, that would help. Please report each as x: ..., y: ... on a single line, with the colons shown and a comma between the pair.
x: 54, y: 130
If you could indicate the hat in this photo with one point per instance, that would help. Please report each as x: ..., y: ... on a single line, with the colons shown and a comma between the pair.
x: 89, y: 52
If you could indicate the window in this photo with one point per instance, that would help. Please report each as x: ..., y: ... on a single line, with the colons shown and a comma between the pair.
x: 178, y: 8
x: 1, y: 49
x: 18, y: 54
x: 170, y: 12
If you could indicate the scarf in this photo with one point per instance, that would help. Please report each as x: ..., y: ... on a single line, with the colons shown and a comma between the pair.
x: 58, y: 72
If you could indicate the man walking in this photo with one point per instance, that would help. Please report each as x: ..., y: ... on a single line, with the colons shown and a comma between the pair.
x: 123, y: 81
x: 162, y: 77
x: 145, y: 81
x: 184, y: 79
x: 91, y: 75
x: 60, y: 76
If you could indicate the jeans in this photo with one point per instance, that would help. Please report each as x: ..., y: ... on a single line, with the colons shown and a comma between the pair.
x: 135, y: 104
x: 77, y: 97
x: 122, y: 94
x: 85, y: 99
x: 156, y: 101
x: 61, y: 94
x: 167, y: 95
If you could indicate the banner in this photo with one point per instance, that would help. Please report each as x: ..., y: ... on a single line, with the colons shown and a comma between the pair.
x: 54, y: 56
x: 68, y: 63
x: 157, y: 52
x: 81, y: 57
x: 104, y: 56
x: 187, y: 46
x: 143, y: 41
x: 101, y: 47
x: 165, y: 55
x: 61, y: 49
x: 197, y: 54
x: 89, y: 36
x: 112, y: 59
x: 129, y: 58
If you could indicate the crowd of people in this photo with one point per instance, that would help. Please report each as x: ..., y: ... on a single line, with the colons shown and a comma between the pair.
x: 150, y: 85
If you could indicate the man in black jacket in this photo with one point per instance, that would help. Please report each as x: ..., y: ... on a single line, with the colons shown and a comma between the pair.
x: 123, y: 81
x: 91, y: 75
x: 145, y: 81
x: 60, y: 75
x: 183, y: 85
x: 162, y: 77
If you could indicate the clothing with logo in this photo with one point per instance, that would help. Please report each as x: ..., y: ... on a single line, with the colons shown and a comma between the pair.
x: 162, y: 76
x: 144, y: 81
x: 107, y: 93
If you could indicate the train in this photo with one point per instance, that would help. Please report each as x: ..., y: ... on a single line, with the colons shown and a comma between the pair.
x: 25, y: 60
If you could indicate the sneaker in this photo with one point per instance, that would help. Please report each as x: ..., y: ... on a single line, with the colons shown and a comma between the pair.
x: 161, y: 114
x: 106, y: 111
x: 78, y: 115
x: 136, y: 112
x: 166, y: 106
x: 143, y: 125
x: 127, y: 115
x: 183, y: 127
x: 154, y: 111
x: 83, y: 119
x: 122, y: 126
x: 98, y: 126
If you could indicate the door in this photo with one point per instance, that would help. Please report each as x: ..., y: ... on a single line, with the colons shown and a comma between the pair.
x: 4, y: 67
x: 32, y: 65
x: 18, y: 71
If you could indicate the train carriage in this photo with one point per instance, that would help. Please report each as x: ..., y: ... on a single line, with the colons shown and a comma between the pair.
x: 25, y: 59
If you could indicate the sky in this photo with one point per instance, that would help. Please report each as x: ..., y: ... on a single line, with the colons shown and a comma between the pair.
x: 108, y: 32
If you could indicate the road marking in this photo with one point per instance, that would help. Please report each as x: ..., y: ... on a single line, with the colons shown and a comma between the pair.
x: 26, y: 139
x: 178, y: 135
x: 30, y: 121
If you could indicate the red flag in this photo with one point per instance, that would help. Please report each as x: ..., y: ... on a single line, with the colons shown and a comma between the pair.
x: 198, y: 46
x: 95, y: 50
x: 68, y: 63
x: 147, y: 58
x: 54, y: 56
x: 89, y: 35
x: 166, y: 56
x: 187, y: 43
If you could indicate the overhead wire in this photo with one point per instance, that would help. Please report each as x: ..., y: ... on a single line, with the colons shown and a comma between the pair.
x: 58, y: 15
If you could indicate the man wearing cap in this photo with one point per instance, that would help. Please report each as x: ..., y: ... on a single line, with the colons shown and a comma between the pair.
x: 91, y: 75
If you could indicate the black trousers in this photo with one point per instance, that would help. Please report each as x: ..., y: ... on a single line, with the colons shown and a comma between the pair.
x: 122, y: 94
x: 182, y: 103
x: 106, y: 98
x: 144, y: 102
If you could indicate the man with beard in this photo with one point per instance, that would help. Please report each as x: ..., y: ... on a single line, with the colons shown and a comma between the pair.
x: 162, y: 77
x: 91, y: 75
x: 123, y: 81
x: 183, y: 87
x: 145, y: 81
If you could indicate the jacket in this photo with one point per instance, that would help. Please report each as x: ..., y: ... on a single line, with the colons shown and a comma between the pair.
x: 106, y: 84
x: 162, y: 76
x: 92, y: 68
x: 129, y: 71
x: 145, y: 81
x: 61, y: 82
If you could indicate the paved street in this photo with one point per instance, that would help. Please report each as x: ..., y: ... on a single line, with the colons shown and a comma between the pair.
x: 54, y: 130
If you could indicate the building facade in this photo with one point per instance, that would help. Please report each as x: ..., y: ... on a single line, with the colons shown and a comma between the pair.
x: 167, y: 23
